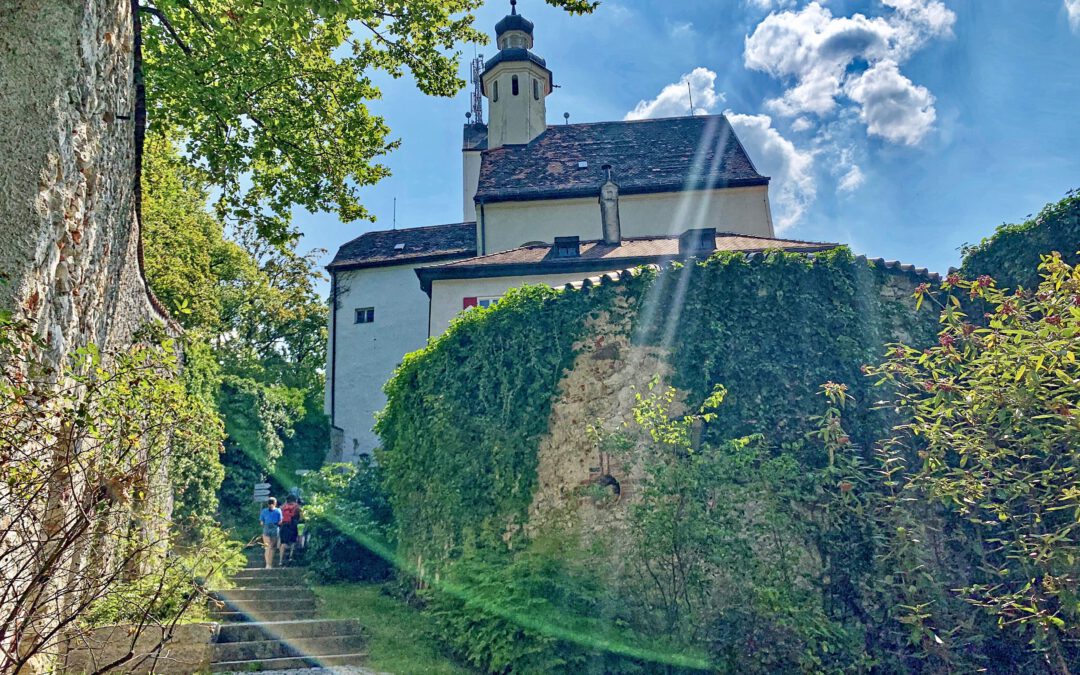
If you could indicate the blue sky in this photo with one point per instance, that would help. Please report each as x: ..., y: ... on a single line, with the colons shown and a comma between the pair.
x: 903, y: 128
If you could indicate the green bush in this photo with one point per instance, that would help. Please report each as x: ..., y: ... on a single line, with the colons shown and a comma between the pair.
x: 540, y: 612
x: 348, y: 524
x: 1011, y: 255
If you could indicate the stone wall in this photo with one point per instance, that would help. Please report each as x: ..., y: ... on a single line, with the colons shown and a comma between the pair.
x: 188, y: 650
x: 70, y: 259
x: 600, y: 391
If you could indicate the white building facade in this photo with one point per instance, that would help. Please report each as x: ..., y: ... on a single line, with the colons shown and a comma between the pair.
x: 526, y: 184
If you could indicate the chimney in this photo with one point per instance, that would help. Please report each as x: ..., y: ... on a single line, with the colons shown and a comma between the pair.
x: 609, y: 210
x: 699, y: 242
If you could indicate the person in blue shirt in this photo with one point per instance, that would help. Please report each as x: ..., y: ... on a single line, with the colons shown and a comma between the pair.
x: 270, y: 518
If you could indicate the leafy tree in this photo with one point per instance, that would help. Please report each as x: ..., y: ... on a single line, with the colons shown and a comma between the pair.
x: 271, y: 97
x: 255, y: 336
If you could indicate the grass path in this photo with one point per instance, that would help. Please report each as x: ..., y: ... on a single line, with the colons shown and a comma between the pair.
x: 400, y: 637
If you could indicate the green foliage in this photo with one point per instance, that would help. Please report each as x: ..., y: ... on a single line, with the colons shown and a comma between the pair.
x: 1012, y: 254
x: 540, y: 611
x: 254, y: 342
x: 271, y: 98
x: 772, y: 329
x: 84, y: 451
x: 992, y: 414
x: 349, y: 524
x: 465, y: 417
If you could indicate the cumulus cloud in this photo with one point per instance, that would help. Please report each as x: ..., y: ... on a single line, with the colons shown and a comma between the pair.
x: 821, y: 56
x: 674, y: 100
x: 891, y: 105
x: 852, y: 180
x: 1072, y: 8
x: 792, y: 170
x: 801, y: 124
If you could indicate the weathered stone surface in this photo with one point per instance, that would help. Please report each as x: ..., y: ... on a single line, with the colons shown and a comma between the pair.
x: 188, y: 651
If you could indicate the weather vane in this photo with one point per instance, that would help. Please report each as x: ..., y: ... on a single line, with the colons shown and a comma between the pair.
x: 513, y: 6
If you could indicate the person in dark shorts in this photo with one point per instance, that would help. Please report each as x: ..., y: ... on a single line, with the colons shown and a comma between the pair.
x: 270, y: 519
x: 290, y: 521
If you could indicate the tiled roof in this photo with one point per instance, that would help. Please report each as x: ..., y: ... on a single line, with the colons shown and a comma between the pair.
x: 597, y: 256
x: 665, y: 155
x: 636, y: 247
x: 417, y: 245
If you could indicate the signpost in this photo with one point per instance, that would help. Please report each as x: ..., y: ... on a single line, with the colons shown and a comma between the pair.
x: 262, y: 492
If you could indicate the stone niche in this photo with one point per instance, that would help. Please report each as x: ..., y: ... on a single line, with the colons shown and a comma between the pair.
x: 189, y: 650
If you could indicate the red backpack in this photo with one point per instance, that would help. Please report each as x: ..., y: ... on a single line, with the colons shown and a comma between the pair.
x: 290, y: 513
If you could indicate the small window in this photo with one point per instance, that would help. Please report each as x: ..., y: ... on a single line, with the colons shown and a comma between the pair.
x: 514, y: 85
x: 365, y: 315
x: 494, y: 91
x: 536, y: 90
x: 483, y: 301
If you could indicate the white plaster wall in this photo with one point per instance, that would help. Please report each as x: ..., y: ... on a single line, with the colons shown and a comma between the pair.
x: 447, y: 294
x: 743, y: 210
x: 470, y: 178
x: 516, y: 119
x: 367, y: 354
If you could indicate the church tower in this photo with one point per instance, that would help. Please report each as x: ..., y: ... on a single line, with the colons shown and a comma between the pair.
x: 516, y: 83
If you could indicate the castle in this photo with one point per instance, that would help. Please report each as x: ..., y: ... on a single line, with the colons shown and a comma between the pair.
x: 542, y: 204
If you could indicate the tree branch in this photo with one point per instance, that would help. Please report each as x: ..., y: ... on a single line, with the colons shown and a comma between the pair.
x: 160, y: 16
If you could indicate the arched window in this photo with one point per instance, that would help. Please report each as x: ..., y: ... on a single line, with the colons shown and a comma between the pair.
x: 494, y: 91
x: 536, y: 89
x: 514, y: 85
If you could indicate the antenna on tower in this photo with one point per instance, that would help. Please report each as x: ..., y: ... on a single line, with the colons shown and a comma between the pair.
x: 477, y: 106
x: 691, y: 93
x: 395, y: 213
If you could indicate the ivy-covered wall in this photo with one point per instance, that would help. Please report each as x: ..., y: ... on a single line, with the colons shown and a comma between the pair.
x: 1011, y: 255
x: 467, y: 414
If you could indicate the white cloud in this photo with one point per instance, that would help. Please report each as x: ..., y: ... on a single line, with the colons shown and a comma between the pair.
x: 892, y: 106
x: 674, y: 101
x: 820, y: 56
x: 766, y: 5
x: 852, y: 180
x: 802, y: 124
x: 1072, y: 8
x: 792, y: 188
x: 681, y: 30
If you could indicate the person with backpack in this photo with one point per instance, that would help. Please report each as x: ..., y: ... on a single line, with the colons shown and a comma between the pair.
x: 290, y: 522
x: 270, y: 519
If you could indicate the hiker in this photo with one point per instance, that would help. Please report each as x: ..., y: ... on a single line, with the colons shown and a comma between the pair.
x: 270, y: 518
x: 290, y: 521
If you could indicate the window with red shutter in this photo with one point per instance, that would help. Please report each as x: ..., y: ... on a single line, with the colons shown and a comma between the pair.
x: 468, y: 302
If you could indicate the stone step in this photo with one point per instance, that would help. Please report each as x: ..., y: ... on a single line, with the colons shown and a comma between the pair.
x: 287, y: 630
x: 279, y: 649
x: 264, y: 604
x: 290, y: 663
x: 274, y: 575
x: 300, y: 593
x: 236, y: 616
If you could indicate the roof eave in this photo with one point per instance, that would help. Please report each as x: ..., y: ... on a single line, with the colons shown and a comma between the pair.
x: 495, y: 196
x: 345, y: 266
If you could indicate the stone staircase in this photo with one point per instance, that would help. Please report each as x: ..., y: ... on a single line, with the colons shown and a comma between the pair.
x: 268, y: 622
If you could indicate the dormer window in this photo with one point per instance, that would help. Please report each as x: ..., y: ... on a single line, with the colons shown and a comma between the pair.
x: 514, y: 85
x: 567, y: 247
x: 697, y: 242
